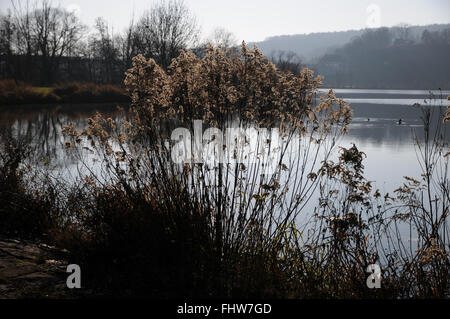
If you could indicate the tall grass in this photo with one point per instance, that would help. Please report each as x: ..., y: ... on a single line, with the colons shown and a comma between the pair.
x: 146, y: 225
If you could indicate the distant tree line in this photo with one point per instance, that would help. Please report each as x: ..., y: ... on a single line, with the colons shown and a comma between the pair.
x: 390, y: 58
x: 287, y: 61
x: 42, y: 44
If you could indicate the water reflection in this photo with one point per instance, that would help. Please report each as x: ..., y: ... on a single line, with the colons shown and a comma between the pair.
x: 375, y: 130
x: 42, y: 127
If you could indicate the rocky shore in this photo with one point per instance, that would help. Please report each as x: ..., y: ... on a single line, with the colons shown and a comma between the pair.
x: 32, y: 270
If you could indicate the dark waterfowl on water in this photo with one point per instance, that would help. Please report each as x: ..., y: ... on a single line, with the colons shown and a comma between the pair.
x: 400, y: 122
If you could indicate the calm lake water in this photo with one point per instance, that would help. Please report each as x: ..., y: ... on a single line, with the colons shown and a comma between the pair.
x: 390, y: 149
x: 375, y: 130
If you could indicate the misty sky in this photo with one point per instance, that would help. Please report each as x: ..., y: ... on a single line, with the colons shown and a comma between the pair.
x: 253, y: 20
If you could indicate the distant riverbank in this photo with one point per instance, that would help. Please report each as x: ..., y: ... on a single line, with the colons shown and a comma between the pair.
x: 18, y: 93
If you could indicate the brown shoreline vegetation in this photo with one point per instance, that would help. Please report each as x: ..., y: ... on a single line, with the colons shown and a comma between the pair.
x: 18, y: 93
x: 149, y: 227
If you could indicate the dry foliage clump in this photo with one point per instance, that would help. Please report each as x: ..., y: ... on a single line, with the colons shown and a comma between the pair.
x: 223, y: 83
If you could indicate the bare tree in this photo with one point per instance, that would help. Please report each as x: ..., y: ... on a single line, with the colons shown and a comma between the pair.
x: 42, y: 35
x: 127, y: 45
x: 24, y: 42
x: 164, y: 30
x: 6, y: 33
x: 287, y: 61
x: 105, y: 51
x: 403, y: 34
x: 6, y: 42
x: 56, y: 32
x: 44, y: 40
x: 223, y: 37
